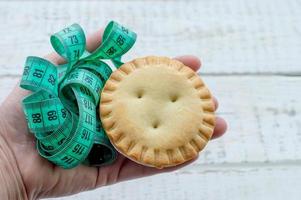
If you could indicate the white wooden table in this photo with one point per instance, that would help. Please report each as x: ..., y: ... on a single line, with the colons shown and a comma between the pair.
x: 251, y: 52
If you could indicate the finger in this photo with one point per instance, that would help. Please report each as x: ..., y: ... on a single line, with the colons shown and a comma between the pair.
x: 215, y: 103
x: 55, y: 58
x: 131, y: 170
x: 220, y: 127
x: 128, y: 169
x: 93, y: 41
x: 191, y: 61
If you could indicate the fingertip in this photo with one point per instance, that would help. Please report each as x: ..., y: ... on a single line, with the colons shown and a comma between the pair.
x: 94, y: 40
x: 191, y: 61
x: 220, y: 127
x: 55, y: 58
x: 215, y: 103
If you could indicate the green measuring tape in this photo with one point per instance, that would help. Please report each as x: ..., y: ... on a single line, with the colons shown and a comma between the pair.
x: 62, y: 111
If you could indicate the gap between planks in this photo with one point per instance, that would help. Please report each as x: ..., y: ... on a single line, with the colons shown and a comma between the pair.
x: 239, y: 166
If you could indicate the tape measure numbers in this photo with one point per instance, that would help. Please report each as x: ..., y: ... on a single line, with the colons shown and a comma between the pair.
x: 62, y: 110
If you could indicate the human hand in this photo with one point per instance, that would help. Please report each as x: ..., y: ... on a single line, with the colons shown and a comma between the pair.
x: 40, y: 178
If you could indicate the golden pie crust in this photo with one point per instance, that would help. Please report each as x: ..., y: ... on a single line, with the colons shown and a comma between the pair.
x: 157, y: 111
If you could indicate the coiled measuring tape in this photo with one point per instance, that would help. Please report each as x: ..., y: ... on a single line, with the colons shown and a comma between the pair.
x: 62, y: 110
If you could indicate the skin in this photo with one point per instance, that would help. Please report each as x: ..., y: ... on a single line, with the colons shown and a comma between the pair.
x: 41, y: 178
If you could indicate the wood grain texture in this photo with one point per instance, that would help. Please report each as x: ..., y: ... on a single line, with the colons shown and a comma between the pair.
x: 251, y: 54
x: 260, y: 183
x: 262, y: 36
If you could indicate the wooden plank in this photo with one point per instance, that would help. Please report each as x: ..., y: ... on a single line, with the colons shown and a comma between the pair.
x: 262, y: 36
x: 264, y: 116
x: 260, y: 183
x: 260, y: 156
x: 264, y: 119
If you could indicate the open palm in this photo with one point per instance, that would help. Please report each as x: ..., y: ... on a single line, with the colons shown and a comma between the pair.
x: 43, y: 179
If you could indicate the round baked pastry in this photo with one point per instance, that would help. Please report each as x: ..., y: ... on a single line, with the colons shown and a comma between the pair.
x: 157, y: 111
